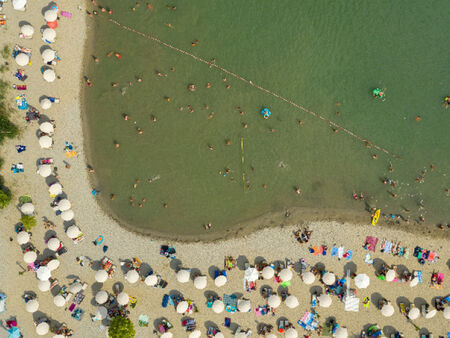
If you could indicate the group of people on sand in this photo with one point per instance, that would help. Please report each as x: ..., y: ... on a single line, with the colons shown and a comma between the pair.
x: 303, y: 236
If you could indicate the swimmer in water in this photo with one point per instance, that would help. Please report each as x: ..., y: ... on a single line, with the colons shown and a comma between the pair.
x: 116, y: 144
x: 126, y: 117
x: 139, y: 131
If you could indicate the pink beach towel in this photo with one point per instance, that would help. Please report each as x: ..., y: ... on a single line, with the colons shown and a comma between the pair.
x: 66, y: 14
x: 372, y: 241
x: 431, y: 256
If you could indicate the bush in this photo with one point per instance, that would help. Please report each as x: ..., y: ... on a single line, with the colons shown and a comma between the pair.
x: 29, y: 222
x: 5, y: 198
x: 121, y: 327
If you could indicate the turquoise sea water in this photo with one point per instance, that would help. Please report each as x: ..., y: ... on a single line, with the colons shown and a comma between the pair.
x: 325, y: 55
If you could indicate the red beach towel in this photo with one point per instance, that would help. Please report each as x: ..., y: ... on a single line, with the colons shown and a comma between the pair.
x: 372, y: 241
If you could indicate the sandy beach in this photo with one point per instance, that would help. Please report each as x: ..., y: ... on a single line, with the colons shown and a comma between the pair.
x: 275, y: 243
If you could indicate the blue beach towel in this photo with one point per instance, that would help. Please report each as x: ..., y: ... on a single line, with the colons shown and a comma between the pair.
x: 334, y: 251
x: 388, y: 247
x: 419, y: 276
x: 350, y: 254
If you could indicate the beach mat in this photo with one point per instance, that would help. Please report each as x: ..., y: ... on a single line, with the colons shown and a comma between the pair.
x: 372, y: 241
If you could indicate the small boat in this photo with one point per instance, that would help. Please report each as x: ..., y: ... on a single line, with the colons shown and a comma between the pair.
x: 376, y: 217
x: 266, y: 113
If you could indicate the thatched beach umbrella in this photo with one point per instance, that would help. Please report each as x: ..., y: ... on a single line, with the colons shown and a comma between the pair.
x: 390, y: 276
x: 45, y: 142
x: 285, y: 275
x: 182, y: 307
x: 45, y: 170
x: 64, y: 205
x: 151, y: 280
x: 32, y: 305
x: 414, y: 313
x: 414, y: 282
x: 183, y: 276
x: 43, y: 273
x: 49, y: 34
x: 53, y: 243
x: 195, y: 334
x: 251, y: 274
x: 42, y: 328
x: 132, y: 276
x: 27, y: 31
x: 49, y: 75
x: 446, y: 312
x: 268, y: 272
x: 101, y: 312
x: 44, y: 285
x: 200, y: 282
x: 53, y: 264
x: 22, y: 59
x: 67, y: 215
x: 324, y: 300
x: 23, y: 237
x: 291, y: 333
x: 19, y: 5
x: 29, y: 257
x: 27, y: 209
x: 123, y: 298
x: 291, y: 302
x: 329, y: 278
x: 387, y: 310
x: 362, y: 281
x: 75, y: 287
x: 101, y: 276
x: 101, y: 297
x: 218, y: 306
x: 55, y: 189
x: 431, y: 314
x: 220, y: 281
x: 47, y: 127
x: 48, y: 55
x: 73, y: 231
x: 341, y: 332
x: 50, y: 15
x: 243, y: 305
x: 308, y: 277
x: 59, y: 301
x: 45, y: 104
x: 274, y: 301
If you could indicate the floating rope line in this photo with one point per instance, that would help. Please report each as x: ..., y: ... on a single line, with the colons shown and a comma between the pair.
x: 213, y: 64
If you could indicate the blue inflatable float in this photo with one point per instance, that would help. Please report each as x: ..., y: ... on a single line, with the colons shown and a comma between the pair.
x: 266, y: 113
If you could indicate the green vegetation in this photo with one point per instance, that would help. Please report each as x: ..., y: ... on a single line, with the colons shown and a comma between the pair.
x: 6, y: 52
x: 29, y: 222
x: 5, y: 199
x: 121, y: 328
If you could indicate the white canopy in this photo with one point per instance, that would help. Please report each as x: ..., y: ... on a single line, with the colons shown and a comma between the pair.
x: 32, y: 305
x: 123, y: 298
x: 19, y: 5
x: 243, y: 305
x: 23, y: 237
x: 219, y: 335
x: 27, y: 30
x: 341, y: 332
x: 46, y: 127
x: 27, y: 209
x: 101, y: 276
x: 414, y: 282
x: 75, y: 287
x: 45, y: 142
x: 291, y: 333
x: 274, y: 301
x: 55, y: 189
x: 270, y: 335
x: 362, y: 281
x: 267, y: 272
x: 200, y: 282
x: 43, y: 273
x: 29, y: 257
x: 45, y: 102
x: 44, y: 285
x: 73, y: 231
x: 218, y: 306
x: 132, y: 276
x: 308, y: 277
x: 101, y: 297
x: 195, y: 334
x: 183, y: 276
x: 285, y: 275
x: 414, y: 313
x: 387, y: 310
x: 220, y: 281
x: 67, y: 215
x: 50, y: 15
x: 42, y: 328
x: 49, y: 34
x: 390, y: 275
x: 329, y: 278
x: 49, y: 75
x: 101, y: 313
x: 431, y: 314
x: 22, y: 59
x: 64, y: 205
x: 167, y: 335
x: 446, y: 312
x: 291, y: 302
x: 53, y: 243
x: 53, y: 264
x: 48, y: 55
x: 324, y: 300
x: 45, y: 170
x: 240, y: 335
x: 251, y: 274
x: 182, y: 307
x: 59, y: 301
x: 151, y: 280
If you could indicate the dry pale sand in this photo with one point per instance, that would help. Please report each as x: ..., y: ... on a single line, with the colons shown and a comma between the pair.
x: 271, y: 243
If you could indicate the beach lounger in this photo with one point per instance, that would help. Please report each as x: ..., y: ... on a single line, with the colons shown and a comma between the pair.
x: 227, y: 322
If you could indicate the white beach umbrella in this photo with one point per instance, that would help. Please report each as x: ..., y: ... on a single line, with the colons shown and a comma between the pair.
x: 251, y: 274
x: 183, y: 276
x: 49, y: 75
x: 200, y: 282
x: 47, y: 127
x: 32, y: 305
x: 167, y: 335
x: 324, y: 300
x: 446, y: 312
x: 270, y: 335
x: 285, y: 275
x: 58, y: 336
x: 59, y: 301
x: 291, y: 333
x: 219, y: 335
x: 132, y: 276
x: 341, y: 332
x: 29, y: 257
x: 67, y: 215
x: 23, y: 237
x: 329, y: 278
x: 218, y: 306
x: 390, y: 275
x: 387, y: 310
x: 308, y: 277
x: 42, y: 328
x: 49, y: 34
x: 362, y: 281
x: 274, y: 301
x: 101, y: 297
x: 101, y: 312
x: 123, y: 298
x: 44, y: 170
x: 182, y: 307
x: 220, y: 281
x: 291, y: 302
x: 414, y: 313
x: 27, y: 209
x: 73, y: 231
x: 22, y: 59
x: 50, y: 15
x: 19, y: 5
x: 53, y: 243
x: 267, y: 272
x: 240, y: 335
x: 431, y: 314
x: 43, y: 273
x: 243, y: 305
x: 48, y: 55
x: 151, y: 280
x: 75, y: 287
x: 45, y: 103
x: 44, y: 285
x: 64, y: 204
x: 27, y: 30
x: 101, y: 276
x: 195, y: 334
x: 414, y: 282
x: 53, y: 264
x: 45, y: 142
x: 55, y: 189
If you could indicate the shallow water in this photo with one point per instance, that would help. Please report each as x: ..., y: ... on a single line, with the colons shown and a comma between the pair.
x: 324, y: 55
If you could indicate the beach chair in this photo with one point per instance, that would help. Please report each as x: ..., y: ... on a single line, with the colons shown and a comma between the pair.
x: 402, y: 309
x: 143, y: 321
x: 165, y: 301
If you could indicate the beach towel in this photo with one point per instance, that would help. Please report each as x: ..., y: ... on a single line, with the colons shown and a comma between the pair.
x: 431, y: 256
x: 388, y: 247
x: 70, y: 154
x: 349, y: 255
x: 257, y: 312
x: 372, y: 243
x: 143, y: 321
x: 368, y: 259
x: 286, y: 284
x: 406, y: 254
x: 314, y: 250
x: 419, y: 276
x: 2, y: 302
x: 66, y: 14
x: 334, y: 251
x: 340, y: 252
x: 440, y: 279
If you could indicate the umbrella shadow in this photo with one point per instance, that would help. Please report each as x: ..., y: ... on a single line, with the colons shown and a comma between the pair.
x: 403, y: 300
x: 320, y: 266
x: 96, y: 287
x: 265, y: 287
x: 424, y: 332
x: 175, y: 293
x: 389, y: 330
x: 377, y: 264
x: 238, y: 295
x: 175, y: 264
x: 194, y: 273
x: 279, y: 264
x: 241, y: 261
x: 350, y: 266
x: 38, y: 315
x: 316, y: 289
x: 210, y: 323
x: 210, y: 293
x: 366, y: 327
x: 41, y: 50
x: 282, y: 318
x: 259, y: 260
x: 49, y: 180
x: 419, y: 301
x: 158, y: 321
x: 145, y: 269
x: 375, y: 298
x: 50, y: 233
x: 212, y: 270
x: 24, y: 23
x: 281, y: 289
x: 401, y: 269
x: 117, y: 288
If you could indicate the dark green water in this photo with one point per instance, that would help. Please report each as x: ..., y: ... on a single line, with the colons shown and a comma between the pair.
x: 324, y: 55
